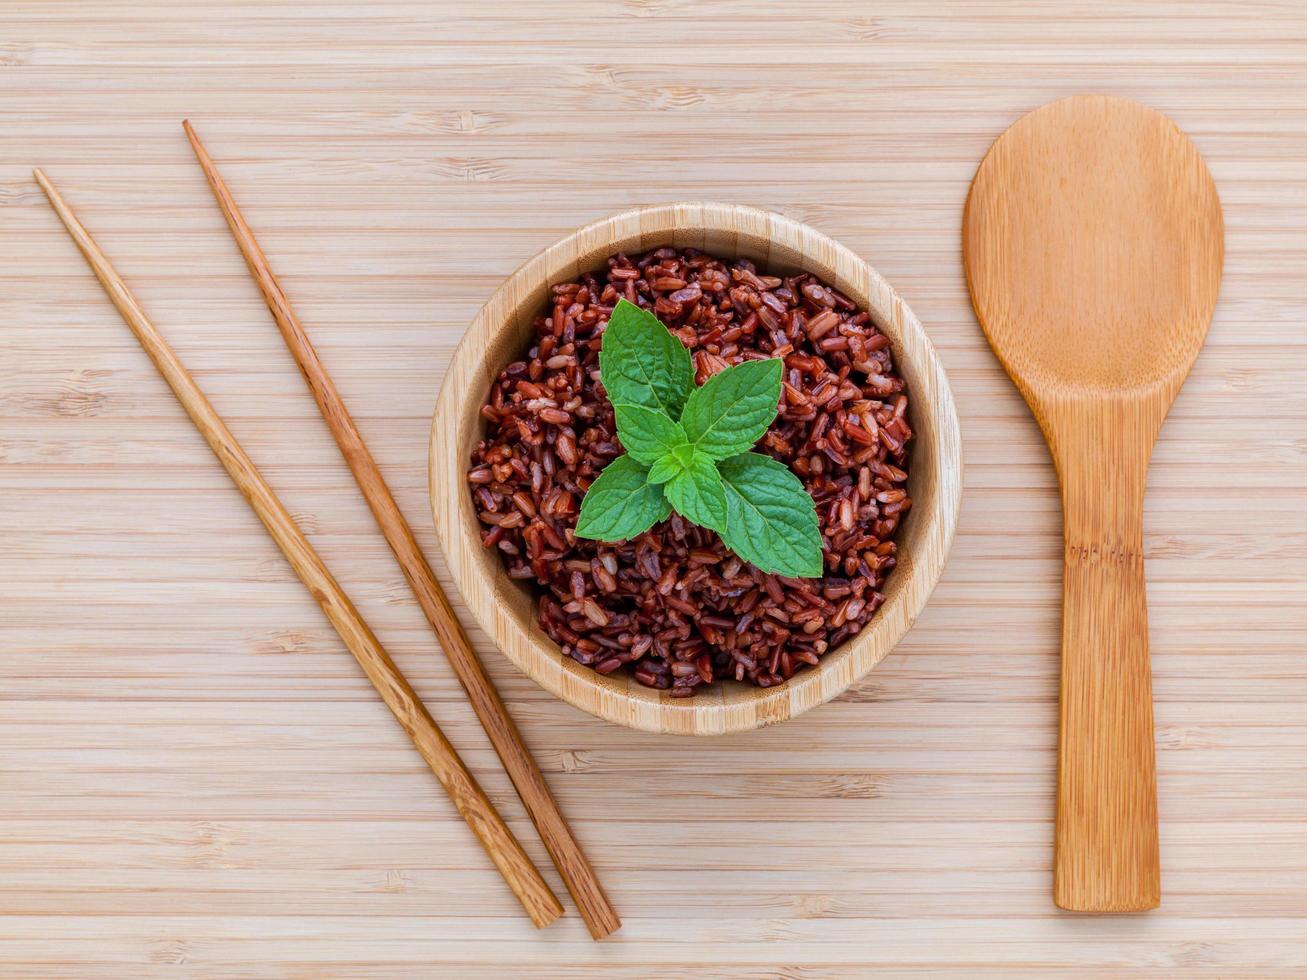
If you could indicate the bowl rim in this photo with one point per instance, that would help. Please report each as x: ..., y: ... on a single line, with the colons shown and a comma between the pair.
x: 729, y: 230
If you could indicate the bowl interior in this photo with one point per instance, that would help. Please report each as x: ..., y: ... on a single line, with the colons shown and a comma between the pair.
x: 501, y: 334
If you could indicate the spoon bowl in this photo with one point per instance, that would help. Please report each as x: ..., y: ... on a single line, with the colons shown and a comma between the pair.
x: 1093, y: 245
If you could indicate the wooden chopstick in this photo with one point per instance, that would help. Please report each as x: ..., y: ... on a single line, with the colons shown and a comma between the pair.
x: 577, y: 874
x: 522, y: 877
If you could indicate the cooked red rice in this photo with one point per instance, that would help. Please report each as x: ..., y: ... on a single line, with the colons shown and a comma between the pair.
x: 673, y: 605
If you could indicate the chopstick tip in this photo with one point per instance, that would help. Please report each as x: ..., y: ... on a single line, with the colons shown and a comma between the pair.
x: 193, y: 138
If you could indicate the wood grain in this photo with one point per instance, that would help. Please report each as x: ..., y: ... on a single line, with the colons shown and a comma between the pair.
x: 507, y: 611
x: 196, y: 779
x: 408, y: 709
x: 1093, y: 243
x: 600, y: 917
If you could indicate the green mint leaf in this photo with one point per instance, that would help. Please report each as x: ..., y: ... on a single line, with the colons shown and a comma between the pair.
x: 642, y: 363
x: 621, y: 503
x: 732, y: 410
x: 666, y: 467
x: 646, y: 433
x: 772, y: 520
x: 697, y: 493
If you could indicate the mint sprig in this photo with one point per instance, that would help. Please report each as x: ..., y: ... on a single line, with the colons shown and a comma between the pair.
x: 687, y: 448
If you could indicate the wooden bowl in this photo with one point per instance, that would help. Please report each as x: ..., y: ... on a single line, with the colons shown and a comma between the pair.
x: 506, y: 608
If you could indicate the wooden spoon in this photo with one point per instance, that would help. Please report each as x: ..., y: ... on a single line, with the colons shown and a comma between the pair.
x: 1093, y: 243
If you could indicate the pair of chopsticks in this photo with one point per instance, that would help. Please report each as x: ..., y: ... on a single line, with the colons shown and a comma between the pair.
x: 500, y: 844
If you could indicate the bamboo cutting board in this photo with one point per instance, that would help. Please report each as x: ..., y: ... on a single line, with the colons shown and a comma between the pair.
x: 196, y: 779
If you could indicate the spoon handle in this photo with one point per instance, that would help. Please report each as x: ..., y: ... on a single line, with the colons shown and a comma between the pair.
x: 1106, y: 851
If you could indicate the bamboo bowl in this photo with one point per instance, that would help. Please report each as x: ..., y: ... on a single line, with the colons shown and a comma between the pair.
x: 505, y: 609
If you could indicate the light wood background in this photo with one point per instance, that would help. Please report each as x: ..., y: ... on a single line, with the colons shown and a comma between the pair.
x: 196, y: 779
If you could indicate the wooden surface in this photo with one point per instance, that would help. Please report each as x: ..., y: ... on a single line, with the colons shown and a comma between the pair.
x: 502, y: 330
x: 1092, y: 241
x: 194, y: 772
